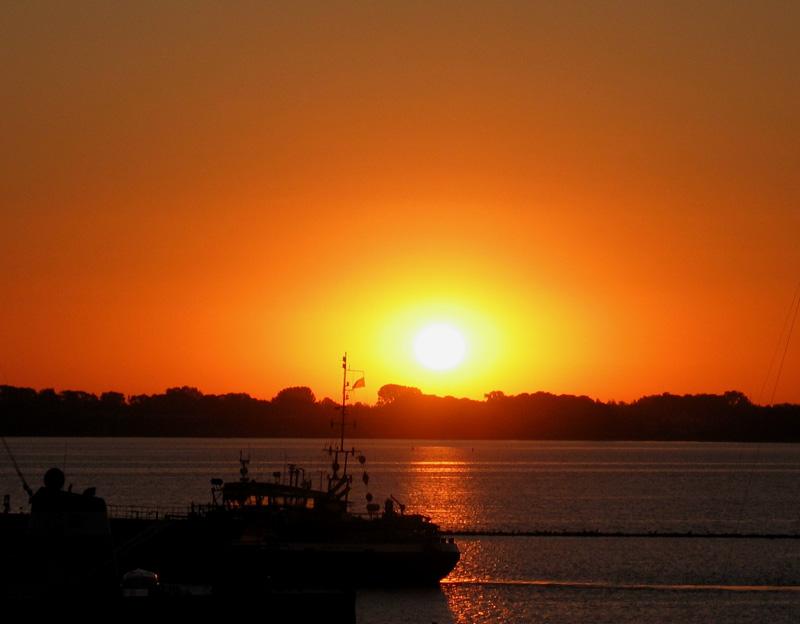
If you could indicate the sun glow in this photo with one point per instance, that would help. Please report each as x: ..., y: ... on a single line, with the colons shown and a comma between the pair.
x: 440, y: 347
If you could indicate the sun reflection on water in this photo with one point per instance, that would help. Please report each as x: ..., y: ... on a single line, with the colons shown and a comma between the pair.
x: 441, y: 482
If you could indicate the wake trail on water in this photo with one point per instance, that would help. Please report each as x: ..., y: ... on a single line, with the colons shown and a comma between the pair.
x: 627, y: 586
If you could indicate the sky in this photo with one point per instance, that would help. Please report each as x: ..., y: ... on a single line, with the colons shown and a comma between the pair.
x: 602, y: 198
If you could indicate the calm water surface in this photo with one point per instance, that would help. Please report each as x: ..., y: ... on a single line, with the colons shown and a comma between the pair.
x: 518, y: 487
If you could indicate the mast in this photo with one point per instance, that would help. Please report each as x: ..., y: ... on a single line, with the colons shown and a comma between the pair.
x: 344, y: 400
x: 339, y: 484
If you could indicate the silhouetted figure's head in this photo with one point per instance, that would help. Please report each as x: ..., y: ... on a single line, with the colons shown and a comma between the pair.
x: 54, y: 479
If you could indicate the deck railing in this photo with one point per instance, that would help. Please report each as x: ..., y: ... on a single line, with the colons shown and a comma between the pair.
x: 136, y: 512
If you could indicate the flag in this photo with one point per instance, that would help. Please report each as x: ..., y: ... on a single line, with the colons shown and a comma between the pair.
x: 359, y: 383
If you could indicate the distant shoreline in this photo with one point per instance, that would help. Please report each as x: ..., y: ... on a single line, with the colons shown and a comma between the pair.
x: 401, y: 413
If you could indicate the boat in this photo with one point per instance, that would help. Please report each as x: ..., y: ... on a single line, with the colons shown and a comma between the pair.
x: 286, y: 531
x: 254, y: 535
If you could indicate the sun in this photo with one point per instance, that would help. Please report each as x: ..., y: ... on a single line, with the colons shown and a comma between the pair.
x: 440, y: 347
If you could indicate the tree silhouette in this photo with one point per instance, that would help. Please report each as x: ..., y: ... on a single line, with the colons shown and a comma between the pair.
x: 390, y: 393
x: 295, y: 394
x: 401, y: 412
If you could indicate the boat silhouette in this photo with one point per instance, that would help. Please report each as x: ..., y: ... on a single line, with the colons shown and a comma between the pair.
x: 253, y: 535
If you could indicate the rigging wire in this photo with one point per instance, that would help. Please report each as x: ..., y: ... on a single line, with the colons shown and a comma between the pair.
x: 791, y: 318
x: 25, y: 485
x: 790, y: 321
x: 784, y: 340
x: 796, y: 306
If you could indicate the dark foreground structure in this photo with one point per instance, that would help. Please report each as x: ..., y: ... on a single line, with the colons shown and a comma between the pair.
x: 280, y: 539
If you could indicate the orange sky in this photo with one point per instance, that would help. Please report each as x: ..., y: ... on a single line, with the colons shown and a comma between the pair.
x: 602, y: 196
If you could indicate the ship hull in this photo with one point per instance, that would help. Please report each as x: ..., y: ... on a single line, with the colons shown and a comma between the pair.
x: 211, y: 551
x: 356, y: 565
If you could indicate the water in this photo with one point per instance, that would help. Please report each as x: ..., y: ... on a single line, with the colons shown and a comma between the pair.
x: 518, y: 488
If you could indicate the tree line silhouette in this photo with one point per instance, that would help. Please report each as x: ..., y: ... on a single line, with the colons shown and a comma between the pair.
x: 400, y: 412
